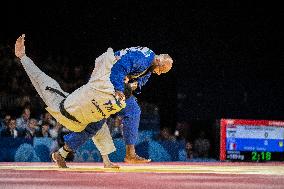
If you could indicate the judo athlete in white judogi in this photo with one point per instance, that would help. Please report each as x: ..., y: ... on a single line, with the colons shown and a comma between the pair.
x: 85, y: 110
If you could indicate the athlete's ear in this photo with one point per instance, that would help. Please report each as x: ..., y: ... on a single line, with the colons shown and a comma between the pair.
x: 158, y: 59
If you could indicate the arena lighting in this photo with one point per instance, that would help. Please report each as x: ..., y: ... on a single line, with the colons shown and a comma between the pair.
x: 251, y: 140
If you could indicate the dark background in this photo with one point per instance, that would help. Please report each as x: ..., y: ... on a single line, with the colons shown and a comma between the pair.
x: 227, y: 55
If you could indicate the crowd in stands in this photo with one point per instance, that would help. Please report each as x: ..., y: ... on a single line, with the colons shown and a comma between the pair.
x: 27, y: 127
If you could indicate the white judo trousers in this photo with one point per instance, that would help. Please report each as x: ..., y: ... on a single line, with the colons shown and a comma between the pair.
x: 92, y: 102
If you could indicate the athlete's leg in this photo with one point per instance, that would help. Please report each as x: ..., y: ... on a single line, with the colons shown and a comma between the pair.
x: 43, y: 84
x: 73, y: 141
x: 105, y: 145
x: 130, y: 120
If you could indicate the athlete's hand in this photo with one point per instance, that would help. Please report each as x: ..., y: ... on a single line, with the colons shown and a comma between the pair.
x: 20, y: 46
x: 120, y: 95
x: 117, y: 58
x: 133, y: 85
x: 126, y: 79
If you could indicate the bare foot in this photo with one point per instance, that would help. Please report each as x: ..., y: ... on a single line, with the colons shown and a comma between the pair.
x: 20, y: 46
x: 111, y: 165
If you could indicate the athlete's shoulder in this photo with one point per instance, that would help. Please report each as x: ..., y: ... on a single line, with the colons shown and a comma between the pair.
x: 138, y: 49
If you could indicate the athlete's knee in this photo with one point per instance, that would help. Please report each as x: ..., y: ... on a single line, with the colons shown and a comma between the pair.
x: 93, y: 128
x: 134, y: 110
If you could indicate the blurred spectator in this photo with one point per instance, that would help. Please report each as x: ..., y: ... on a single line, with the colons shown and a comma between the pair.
x: 165, y: 134
x: 5, y: 121
x: 43, y: 130
x: 182, y: 129
x: 32, y: 128
x: 24, y: 101
x: 2, y: 126
x: 201, y: 146
x: 189, y: 150
x: 55, y: 131
x: 47, y: 118
x: 11, y: 130
x: 22, y: 122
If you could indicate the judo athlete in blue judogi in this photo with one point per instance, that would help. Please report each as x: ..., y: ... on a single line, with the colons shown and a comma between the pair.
x: 132, y: 70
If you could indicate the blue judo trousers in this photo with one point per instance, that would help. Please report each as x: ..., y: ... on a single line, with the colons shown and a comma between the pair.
x: 75, y: 139
x: 130, y: 120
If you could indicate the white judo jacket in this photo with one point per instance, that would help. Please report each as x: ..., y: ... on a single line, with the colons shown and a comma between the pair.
x: 91, y: 102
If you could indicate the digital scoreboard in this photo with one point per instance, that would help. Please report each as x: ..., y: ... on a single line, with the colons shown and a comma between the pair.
x: 251, y: 140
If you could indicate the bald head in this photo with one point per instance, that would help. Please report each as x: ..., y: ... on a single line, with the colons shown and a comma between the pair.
x: 162, y: 63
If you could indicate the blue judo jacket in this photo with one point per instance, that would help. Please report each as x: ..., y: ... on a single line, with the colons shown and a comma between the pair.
x: 133, y: 61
